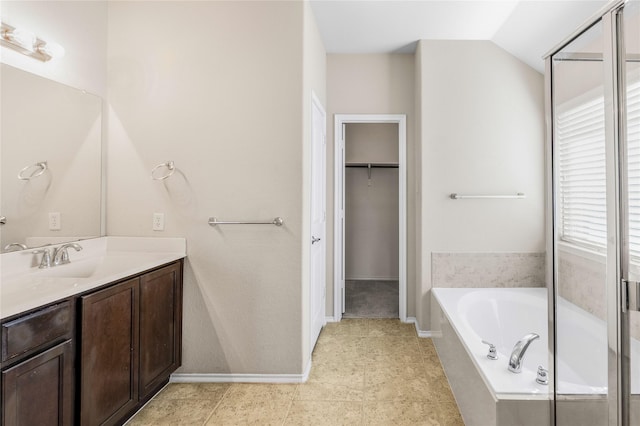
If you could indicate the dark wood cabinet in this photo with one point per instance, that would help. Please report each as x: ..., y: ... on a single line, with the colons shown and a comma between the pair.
x: 94, y: 358
x: 35, y: 331
x: 39, y: 390
x: 109, y: 353
x: 131, y: 342
x: 37, y: 360
x: 160, y: 327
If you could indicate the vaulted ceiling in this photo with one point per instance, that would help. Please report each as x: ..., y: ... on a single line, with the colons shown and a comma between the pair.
x: 526, y: 28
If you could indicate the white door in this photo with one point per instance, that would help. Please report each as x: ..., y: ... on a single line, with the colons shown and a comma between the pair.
x: 318, y: 219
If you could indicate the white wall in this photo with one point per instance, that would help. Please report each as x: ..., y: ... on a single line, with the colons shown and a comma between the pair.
x: 218, y: 88
x: 79, y: 26
x: 482, y: 132
x: 371, y: 142
x: 373, y: 84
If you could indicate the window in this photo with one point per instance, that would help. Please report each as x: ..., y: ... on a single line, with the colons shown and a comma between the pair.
x: 582, y: 176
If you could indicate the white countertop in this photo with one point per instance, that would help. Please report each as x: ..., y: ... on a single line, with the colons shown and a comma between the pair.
x: 23, y: 286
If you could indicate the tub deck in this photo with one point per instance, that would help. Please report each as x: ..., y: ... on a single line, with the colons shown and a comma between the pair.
x: 489, y: 394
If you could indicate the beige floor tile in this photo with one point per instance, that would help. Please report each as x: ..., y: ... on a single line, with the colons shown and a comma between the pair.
x: 338, y: 373
x: 426, y: 343
x: 256, y: 391
x: 249, y: 410
x: 320, y: 413
x: 393, y: 349
x: 401, y: 381
x: 413, y: 413
x: 381, y: 362
x: 435, y: 371
x: 254, y: 403
x: 340, y: 348
x: 439, y: 384
x: 208, y: 391
x: 428, y: 350
x: 390, y: 327
x: 319, y: 391
x: 338, y: 381
x: 346, y: 327
x: 174, y: 412
x: 354, y: 358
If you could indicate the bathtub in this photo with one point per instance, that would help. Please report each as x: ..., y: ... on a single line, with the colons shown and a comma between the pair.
x: 489, y: 394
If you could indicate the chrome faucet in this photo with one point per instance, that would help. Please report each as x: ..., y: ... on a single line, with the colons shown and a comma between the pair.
x: 15, y: 247
x: 61, y: 255
x: 45, y: 262
x: 515, y: 360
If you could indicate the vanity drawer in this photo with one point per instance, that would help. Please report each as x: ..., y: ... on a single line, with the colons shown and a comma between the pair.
x: 36, y: 330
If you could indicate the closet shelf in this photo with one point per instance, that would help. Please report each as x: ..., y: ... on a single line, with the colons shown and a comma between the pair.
x: 372, y: 165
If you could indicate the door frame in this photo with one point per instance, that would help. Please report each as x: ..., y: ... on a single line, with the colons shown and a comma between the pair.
x: 338, y: 240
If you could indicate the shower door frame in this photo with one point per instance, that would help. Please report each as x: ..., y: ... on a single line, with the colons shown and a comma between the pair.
x: 618, y: 396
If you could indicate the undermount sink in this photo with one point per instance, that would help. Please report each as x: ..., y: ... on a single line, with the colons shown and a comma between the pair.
x: 100, y: 266
x: 76, y: 269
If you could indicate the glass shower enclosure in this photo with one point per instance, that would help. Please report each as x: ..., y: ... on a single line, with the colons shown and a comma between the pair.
x: 593, y: 121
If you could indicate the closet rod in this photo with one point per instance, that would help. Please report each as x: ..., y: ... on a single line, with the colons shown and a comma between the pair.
x: 373, y: 165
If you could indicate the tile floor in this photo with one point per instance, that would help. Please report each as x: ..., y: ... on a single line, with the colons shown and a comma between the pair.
x: 365, y: 372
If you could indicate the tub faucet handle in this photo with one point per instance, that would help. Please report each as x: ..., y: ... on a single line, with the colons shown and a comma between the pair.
x: 493, y: 353
x: 543, y: 375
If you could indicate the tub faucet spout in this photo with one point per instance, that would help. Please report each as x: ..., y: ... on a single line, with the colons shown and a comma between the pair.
x: 517, y: 355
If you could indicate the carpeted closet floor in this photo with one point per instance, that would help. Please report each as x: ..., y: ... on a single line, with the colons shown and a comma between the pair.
x: 371, y: 299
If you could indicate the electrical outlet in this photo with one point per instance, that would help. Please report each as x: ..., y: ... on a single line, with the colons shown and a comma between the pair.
x: 158, y: 221
x: 54, y: 221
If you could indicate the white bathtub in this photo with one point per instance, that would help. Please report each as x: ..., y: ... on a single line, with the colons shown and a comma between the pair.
x: 462, y: 318
x: 503, y: 316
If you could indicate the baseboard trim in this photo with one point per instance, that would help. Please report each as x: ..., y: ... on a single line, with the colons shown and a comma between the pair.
x: 241, y: 378
x: 409, y: 320
x: 421, y: 333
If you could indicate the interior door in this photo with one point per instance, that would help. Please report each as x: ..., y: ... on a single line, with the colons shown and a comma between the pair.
x: 318, y: 220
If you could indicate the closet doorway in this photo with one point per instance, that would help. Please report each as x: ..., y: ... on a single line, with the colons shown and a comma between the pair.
x: 370, y: 216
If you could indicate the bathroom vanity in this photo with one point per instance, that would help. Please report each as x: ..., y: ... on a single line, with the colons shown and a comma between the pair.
x: 106, y: 339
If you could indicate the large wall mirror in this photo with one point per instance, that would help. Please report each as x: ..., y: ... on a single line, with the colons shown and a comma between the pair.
x: 50, y: 161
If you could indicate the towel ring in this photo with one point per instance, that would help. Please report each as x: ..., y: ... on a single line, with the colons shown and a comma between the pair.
x: 42, y: 165
x: 170, y: 167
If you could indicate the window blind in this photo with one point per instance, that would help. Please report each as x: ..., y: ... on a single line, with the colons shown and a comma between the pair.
x: 633, y: 142
x: 582, y: 175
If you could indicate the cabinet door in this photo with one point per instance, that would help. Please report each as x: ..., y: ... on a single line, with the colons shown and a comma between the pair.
x: 109, y: 353
x: 39, y: 391
x: 160, y: 326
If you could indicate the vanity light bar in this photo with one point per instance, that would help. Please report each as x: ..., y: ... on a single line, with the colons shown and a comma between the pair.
x: 28, y: 44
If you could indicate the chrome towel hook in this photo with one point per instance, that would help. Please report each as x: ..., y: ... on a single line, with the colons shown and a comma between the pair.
x: 40, y: 167
x: 169, y: 165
